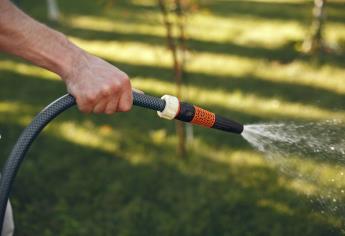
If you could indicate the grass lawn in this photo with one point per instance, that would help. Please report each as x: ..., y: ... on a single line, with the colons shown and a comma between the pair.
x: 119, y: 175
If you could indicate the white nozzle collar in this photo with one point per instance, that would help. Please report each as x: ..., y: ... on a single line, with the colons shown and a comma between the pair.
x: 171, y: 109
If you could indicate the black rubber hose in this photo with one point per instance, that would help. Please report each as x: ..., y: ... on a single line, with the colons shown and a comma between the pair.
x: 147, y: 101
x: 17, y: 155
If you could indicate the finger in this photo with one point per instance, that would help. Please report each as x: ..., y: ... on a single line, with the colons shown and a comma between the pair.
x: 100, y: 106
x: 126, y: 101
x: 84, y: 106
x: 112, y: 105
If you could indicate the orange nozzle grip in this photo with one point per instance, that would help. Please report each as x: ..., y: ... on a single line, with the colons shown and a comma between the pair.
x: 203, y: 117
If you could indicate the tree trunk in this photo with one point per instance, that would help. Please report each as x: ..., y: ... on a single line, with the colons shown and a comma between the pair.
x: 181, y: 6
x: 178, y: 73
x: 315, y: 42
x: 53, y: 10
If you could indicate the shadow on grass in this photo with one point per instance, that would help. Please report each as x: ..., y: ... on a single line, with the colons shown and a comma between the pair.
x: 77, y: 190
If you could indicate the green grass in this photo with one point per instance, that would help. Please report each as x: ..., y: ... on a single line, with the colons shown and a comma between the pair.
x: 119, y: 175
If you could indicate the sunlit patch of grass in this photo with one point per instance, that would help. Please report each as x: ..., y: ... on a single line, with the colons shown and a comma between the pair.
x: 312, y: 185
x: 25, y: 69
x: 88, y: 135
x: 243, y: 102
x: 318, y: 172
x: 277, y: 206
x: 334, y: 33
x: 134, y: 53
x: 105, y: 25
x: 158, y: 136
x: 326, y: 77
x: 13, y: 107
x: 227, y: 155
x: 222, y: 64
x: 16, y: 112
x: 247, y: 30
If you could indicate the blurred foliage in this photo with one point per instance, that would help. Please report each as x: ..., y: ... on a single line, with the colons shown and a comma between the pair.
x: 119, y: 175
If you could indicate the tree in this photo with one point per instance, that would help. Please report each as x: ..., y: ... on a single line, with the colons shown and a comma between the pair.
x: 170, y: 10
x: 315, y: 41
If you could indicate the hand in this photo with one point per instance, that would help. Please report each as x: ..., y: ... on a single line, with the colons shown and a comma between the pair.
x: 98, y: 86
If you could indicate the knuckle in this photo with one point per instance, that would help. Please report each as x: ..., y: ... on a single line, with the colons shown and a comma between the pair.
x: 91, y: 97
x: 125, y: 86
x: 114, y: 87
x: 106, y: 90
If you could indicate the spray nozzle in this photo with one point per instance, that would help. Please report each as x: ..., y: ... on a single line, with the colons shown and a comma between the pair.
x: 169, y: 107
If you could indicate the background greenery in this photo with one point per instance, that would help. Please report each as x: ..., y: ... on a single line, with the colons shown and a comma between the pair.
x: 119, y: 175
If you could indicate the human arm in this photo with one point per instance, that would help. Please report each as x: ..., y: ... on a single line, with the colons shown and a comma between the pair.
x: 97, y: 85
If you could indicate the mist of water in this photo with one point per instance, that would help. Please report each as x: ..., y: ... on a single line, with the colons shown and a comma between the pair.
x: 311, y: 153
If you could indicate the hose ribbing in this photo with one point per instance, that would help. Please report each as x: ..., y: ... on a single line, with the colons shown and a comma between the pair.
x: 21, y: 147
x: 25, y: 140
x: 148, y: 101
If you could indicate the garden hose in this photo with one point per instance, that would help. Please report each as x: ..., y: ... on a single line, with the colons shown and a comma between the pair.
x: 167, y: 107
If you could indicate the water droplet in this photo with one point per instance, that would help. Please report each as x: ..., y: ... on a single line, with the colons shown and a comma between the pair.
x: 332, y: 148
x: 334, y: 200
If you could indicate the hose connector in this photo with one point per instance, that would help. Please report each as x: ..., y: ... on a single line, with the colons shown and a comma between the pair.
x: 172, y: 106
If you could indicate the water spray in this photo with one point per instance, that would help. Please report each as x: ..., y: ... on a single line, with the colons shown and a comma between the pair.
x: 168, y: 107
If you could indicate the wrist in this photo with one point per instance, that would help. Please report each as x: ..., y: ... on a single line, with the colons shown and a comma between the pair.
x: 73, y: 57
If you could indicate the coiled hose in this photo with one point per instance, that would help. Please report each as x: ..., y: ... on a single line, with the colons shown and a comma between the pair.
x: 168, y: 107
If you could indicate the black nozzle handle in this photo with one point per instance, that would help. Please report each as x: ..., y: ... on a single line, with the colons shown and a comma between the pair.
x: 227, y: 125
